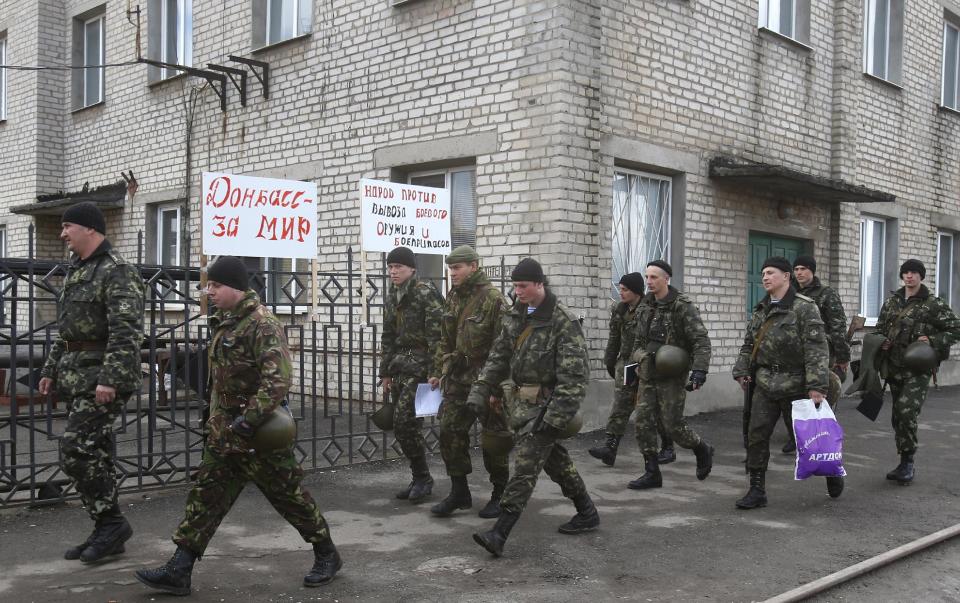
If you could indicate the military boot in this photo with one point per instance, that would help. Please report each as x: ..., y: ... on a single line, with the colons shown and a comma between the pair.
x: 422, y: 484
x: 903, y: 474
x: 326, y: 563
x: 651, y: 477
x: 493, y: 540
x: 112, y: 531
x: 459, y: 498
x: 666, y: 455
x: 791, y: 445
x: 74, y: 552
x: 492, y: 509
x: 704, y: 454
x: 174, y: 576
x: 756, y: 496
x: 586, y: 520
x: 834, y: 486
x: 608, y: 452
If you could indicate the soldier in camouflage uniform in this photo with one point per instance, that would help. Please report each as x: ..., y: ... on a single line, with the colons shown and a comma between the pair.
x: 911, y: 314
x: 784, y: 357
x: 541, y: 347
x: 666, y: 316
x: 94, y: 365
x: 622, y: 327
x: 470, y: 324
x: 250, y: 373
x: 411, y: 329
x: 835, y: 324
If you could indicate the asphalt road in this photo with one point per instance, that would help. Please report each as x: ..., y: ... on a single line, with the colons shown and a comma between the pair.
x: 684, y: 542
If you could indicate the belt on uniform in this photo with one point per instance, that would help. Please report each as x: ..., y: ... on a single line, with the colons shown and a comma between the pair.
x: 85, y: 346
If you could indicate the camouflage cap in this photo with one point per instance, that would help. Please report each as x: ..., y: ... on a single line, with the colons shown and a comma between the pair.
x: 462, y: 254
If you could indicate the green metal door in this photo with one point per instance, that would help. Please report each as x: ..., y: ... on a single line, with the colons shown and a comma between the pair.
x: 762, y: 246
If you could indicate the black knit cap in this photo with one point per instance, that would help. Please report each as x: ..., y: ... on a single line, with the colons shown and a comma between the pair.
x: 528, y: 270
x: 806, y: 261
x: 662, y: 266
x: 402, y: 255
x: 634, y: 282
x: 779, y: 262
x: 913, y: 265
x: 86, y: 214
x: 229, y: 271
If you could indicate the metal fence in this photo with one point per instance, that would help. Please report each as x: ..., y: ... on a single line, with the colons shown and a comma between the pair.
x: 157, y: 437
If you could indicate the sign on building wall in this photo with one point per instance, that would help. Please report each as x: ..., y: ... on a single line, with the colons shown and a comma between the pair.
x: 403, y: 215
x: 258, y: 217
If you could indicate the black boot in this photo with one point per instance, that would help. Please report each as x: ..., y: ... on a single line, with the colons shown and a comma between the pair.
x: 586, y: 520
x: 108, y: 538
x: 651, y: 477
x: 667, y: 454
x: 73, y: 552
x: 903, y: 474
x: 791, y: 445
x: 492, y: 509
x: 172, y: 577
x: 459, y: 498
x: 608, y: 452
x: 704, y: 454
x: 493, y: 540
x: 422, y: 484
x: 404, y: 494
x: 834, y: 486
x: 756, y: 496
x: 326, y: 563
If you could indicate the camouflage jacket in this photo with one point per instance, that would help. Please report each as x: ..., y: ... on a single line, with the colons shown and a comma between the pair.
x: 622, y: 328
x: 411, y: 329
x: 834, y: 319
x: 674, y: 320
x: 471, y: 321
x: 101, y: 303
x: 903, y: 321
x: 250, y: 369
x: 793, y: 355
x: 552, y: 354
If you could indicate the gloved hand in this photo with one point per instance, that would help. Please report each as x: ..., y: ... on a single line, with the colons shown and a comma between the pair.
x: 612, y: 369
x: 242, y: 428
x: 477, y: 401
x: 697, y: 379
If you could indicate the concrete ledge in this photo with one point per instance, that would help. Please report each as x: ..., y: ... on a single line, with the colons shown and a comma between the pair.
x: 456, y: 147
x: 652, y: 155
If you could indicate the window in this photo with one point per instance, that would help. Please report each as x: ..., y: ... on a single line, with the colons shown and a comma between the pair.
x: 168, y: 235
x: 282, y: 284
x: 3, y: 76
x: 951, y: 65
x: 641, y: 220
x: 278, y: 20
x: 883, y: 38
x: 89, y: 48
x: 462, y: 183
x: 170, y: 35
x: 790, y: 18
x: 945, y: 266
x: 3, y: 240
x: 872, y: 251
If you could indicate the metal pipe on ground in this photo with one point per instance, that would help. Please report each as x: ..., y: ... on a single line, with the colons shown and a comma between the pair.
x: 827, y: 582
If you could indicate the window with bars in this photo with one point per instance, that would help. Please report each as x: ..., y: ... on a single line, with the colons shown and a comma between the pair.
x: 883, y: 38
x: 951, y: 65
x: 170, y: 35
x: 873, y: 245
x: 642, y: 203
x: 462, y: 183
x: 944, y: 282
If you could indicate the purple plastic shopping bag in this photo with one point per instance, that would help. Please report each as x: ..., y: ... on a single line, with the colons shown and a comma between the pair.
x: 819, y: 440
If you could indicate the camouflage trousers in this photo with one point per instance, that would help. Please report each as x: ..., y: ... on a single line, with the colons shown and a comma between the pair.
x: 86, y: 452
x: 536, y: 452
x: 222, y: 477
x: 407, y: 428
x: 660, y: 403
x: 765, y: 411
x: 456, y: 419
x: 909, y: 391
x: 624, y: 403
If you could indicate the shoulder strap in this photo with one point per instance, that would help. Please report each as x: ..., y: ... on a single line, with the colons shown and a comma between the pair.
x: 522, y: 337
x: 472, y: 305
x: 760, y: 335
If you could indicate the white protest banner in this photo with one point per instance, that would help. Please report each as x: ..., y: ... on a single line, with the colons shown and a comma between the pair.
x: 402, y: 215
x: 258, y: 217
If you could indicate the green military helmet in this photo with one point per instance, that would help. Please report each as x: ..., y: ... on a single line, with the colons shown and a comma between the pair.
x: 496, y: 442
x: 383, y: 417
x: 573, y: 426
x: 278, y: 431
x: 671, y: 362
x: 920, y: 357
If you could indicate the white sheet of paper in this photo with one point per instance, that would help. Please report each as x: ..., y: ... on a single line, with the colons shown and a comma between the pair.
x: 427, y: 402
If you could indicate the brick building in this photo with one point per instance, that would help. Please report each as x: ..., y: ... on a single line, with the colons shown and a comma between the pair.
x: 591, y: 134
